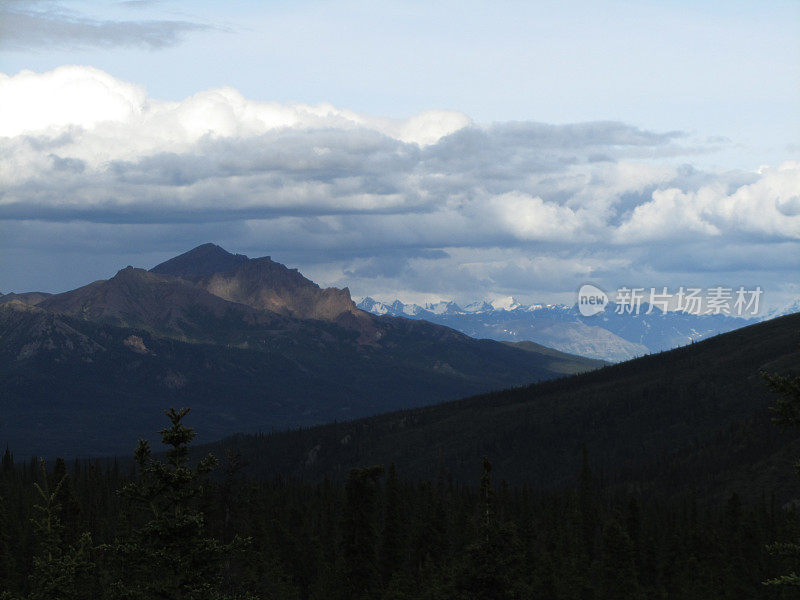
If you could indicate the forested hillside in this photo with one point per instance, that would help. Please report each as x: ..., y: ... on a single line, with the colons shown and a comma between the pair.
x: 692, y: 418
x: 165, y: 530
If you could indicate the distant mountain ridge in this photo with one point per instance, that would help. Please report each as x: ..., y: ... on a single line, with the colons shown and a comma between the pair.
x: 607, y: 336
x: 254, y: 346
x: 789, y: 309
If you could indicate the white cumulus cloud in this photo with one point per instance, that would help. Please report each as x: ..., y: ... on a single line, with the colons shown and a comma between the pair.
x: 430, y: 204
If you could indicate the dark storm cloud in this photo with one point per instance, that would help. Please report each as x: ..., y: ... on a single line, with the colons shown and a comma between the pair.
x: 26, y: 25
x: 73, y: 165
x: 289, y: 156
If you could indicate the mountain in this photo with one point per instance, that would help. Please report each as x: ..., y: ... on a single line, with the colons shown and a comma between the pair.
x: 569, y: 364
x: 694, y: 418
x: 260, y: 283
x: 206, y: 259
x: 31, y: 298
x: 254, y: 347
x: 608, y: 336
x: 789, y: 309
x: 160, y: 303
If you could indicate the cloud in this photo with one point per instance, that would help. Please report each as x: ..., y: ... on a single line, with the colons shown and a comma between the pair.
x: 766, y: 208
x: 28, y: 25
x: 433, y: 204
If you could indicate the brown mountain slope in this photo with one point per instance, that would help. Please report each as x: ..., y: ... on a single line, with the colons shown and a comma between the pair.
x: 265, y: 284
x: 172, y: 306
x: 259, y: 282
x: 28, y: 330
x: 31, y: 298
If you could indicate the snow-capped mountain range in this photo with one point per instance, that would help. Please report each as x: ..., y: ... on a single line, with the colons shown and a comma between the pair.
x: 608, y: 335
x: 790, y: 309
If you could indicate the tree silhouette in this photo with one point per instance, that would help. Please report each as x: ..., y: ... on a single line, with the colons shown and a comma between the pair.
x: 787, y: 411
x: 170, y: 555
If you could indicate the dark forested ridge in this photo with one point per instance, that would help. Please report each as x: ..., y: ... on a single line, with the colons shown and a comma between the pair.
x: 164, y: 530
x: 256, y: 346
x: 692, y: 418
x: 447, y: 502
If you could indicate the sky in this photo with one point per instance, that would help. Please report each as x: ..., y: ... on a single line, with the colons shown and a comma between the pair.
x: 413, y: 150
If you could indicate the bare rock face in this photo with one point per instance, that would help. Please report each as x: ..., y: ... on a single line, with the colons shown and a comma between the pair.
x: 136, y: 344
x: 260, y: 283
x: 267, y: 285
x: 264, y: 284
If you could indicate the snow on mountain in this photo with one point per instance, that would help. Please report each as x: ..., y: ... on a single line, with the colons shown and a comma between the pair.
x: 398, y: 308
x: 477, y: 307
x: 608, y: 335
x: 506, y: 303
x: 786, y: 310
x: 372, y: 306
x: 443, y: 307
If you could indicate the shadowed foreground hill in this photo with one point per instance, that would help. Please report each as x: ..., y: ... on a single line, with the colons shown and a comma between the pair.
x: 694, y: 417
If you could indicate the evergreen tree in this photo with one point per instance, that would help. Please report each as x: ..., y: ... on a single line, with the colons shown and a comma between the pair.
x: 68, y: 508
x: 493, y: 566
x: 787, y: 411
x: 7, y: 463
x: 360, y: 573
x: 391, y: 543
x: 618, y: 570
x: 170, y: 556
x: 7, y: 565
x: 589, y: 510
x: 419, y: 541
x: 588, y: 505
x: 60, y: 570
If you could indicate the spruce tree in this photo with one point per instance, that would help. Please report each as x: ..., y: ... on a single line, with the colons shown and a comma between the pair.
x: 492, y: 569
x: 60, y: 570
x: 7, y: 565
x: 618, y: 564
x: 588, y: 505
x: 170, y: 555
x: 391, y: 542
x: 68, y: 508
x: 7, y: 463
x: 787, y: 411
x: 360, y: 573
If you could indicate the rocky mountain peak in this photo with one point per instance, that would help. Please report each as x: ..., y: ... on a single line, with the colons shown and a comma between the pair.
x: 260, y: 283
x: 203, y: 260
x: 268, y: 285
